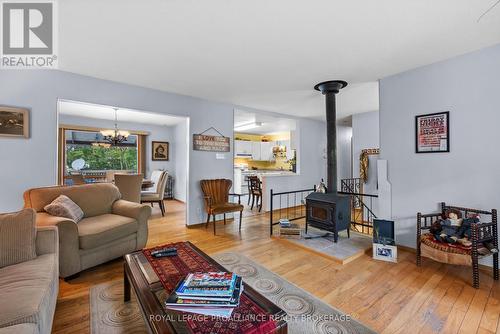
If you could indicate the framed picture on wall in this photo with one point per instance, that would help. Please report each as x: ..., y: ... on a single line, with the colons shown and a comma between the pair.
x: 432, y: 133
x: 14, y: 122
x: 159, y: 150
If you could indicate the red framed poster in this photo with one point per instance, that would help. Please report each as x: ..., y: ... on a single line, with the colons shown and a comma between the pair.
x: 432, y: 133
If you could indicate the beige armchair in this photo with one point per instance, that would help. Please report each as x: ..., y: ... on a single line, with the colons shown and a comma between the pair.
x: 156, y: 196
x: 111, y: 227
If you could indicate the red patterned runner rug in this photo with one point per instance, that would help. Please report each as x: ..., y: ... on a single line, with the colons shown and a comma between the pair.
x: 248, y: 317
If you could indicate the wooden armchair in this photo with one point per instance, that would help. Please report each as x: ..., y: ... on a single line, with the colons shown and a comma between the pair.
x: 482, y: 232
x: 216, y: 195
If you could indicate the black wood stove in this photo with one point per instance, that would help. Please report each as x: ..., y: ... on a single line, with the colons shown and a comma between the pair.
x: 329, y: 211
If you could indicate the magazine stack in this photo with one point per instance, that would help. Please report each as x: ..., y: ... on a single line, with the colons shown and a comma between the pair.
x: 211, y: 293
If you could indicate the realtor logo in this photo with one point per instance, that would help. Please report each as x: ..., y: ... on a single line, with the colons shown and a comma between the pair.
x: 28, y: 34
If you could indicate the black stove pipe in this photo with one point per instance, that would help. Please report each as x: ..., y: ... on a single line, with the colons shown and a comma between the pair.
x: 330, y: 89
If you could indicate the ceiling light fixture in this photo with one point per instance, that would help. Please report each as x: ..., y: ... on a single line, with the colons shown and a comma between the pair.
x: 97, y: 143
x: 115, y: 136
x: 248, y: 126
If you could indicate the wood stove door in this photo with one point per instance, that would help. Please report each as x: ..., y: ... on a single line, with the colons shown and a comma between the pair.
x: 320, y: 212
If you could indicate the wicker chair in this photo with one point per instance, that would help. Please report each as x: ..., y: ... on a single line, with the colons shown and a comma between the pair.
x: 480, y: 233
x: 216, y: 196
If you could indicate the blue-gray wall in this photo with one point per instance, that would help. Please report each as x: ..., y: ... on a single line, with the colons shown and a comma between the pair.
x: 469, y: 87
x: 365, y: 135
x: 177, y: 146
x: 31, y: 163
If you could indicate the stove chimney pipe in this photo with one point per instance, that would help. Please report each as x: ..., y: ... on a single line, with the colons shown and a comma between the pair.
x: 330, y: 89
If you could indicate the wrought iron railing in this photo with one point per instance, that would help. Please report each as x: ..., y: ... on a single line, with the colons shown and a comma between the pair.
x: 362, y: 205
x: 288, y: 204
x: 352, y: 185
x: 291, y: 205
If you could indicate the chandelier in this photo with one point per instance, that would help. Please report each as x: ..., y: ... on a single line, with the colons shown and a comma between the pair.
x: 97, y: 143
x: 115, y: 136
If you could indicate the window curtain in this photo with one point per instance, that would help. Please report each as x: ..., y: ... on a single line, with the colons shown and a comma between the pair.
x: 142, y: 141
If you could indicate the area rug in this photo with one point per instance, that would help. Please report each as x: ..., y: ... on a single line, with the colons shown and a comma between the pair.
x: 306, y: 313
x: 343, y: 251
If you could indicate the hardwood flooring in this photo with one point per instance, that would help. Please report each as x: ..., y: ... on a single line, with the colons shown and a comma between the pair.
x: 390, y: 298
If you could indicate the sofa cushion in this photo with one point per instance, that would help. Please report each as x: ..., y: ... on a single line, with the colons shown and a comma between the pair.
x: 431, y: 241
x: 17, y: 237
x: 94, y: 199
x: 20, y: 329
x: 29, y: 292
x: 100, y: 230
x: 63, y: 206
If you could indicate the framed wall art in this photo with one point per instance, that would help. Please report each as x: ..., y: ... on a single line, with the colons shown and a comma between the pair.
x: 159, y: 150
x: 385, y: 252
x: 432, y: 133
x: 14, y: 122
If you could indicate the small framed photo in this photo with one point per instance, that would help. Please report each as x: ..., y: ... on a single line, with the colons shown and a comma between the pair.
x: 14, y: 122
x: 159, y: 150
x: 432, y: 133
x: 385, y: 252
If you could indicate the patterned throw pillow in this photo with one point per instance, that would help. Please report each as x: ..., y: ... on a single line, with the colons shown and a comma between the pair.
x: 63, y: 206
x: 17, y: 237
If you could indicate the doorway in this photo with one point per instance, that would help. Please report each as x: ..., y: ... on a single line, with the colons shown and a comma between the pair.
x: 97, y: 141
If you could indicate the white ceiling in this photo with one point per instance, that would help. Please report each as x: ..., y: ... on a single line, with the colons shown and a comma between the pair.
x: 269, y: 124
x: 268, y: 54
x: 96, y: 111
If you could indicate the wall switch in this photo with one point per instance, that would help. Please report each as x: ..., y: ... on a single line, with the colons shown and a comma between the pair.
x: 220, y: 156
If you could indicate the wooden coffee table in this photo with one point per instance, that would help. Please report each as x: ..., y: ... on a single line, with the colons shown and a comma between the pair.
x: 140, y: 276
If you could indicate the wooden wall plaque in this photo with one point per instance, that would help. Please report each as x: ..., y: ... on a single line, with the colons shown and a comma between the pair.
x: 211, y: 143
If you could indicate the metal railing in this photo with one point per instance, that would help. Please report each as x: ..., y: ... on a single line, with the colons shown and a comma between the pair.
x: 362, y: 214
x: 291, y: 205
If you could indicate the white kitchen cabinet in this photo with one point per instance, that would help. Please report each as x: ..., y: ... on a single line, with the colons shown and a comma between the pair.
x: 256, y: 150
x: 243, y: 148
x: 293, y: 139
x: 266, y: 151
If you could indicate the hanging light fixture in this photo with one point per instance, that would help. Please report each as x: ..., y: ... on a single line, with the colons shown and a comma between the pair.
x: 97, y: 143
x: 115, y: 136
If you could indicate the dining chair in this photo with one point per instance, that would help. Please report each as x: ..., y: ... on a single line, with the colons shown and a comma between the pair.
x: 129, y: 186
x: 155, y: 179
x: 77, y: 179
x: 249, y: 189
x: 216, y: 197
x: 110, y: 175
x: 255, y: 191
x: 157, y: 193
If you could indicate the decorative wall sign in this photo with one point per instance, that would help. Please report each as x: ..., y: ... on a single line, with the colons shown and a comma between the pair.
x: 159, y: 151
x: 432, y: 133
x: 14, y: 122
x: 202, y: 142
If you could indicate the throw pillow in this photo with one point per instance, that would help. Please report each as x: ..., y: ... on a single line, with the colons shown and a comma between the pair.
x: 63, y: 206
x: 17, y: 237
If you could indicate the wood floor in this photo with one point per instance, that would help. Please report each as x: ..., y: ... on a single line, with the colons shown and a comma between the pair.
x: 390, y: 298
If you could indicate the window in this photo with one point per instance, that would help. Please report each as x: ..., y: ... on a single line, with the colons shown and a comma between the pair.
x: 87, y: 153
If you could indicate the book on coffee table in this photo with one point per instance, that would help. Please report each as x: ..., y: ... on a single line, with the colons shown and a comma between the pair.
x: 206, y: 300
x: 214, y: 284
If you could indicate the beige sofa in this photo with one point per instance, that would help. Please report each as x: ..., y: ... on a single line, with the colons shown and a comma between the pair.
x: 29, y: 289
x: 111, y: 227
